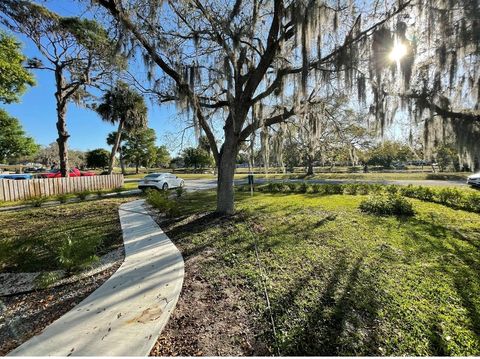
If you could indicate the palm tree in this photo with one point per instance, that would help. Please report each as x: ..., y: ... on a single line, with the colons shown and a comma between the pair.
x: 111, y: 140
x: 126, y: 107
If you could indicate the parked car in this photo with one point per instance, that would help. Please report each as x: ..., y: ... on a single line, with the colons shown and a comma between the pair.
x: 74, y: 172
x: 33, y: 169
x: 474, y: 180
x: 17, y: 176
x: 162, y: 181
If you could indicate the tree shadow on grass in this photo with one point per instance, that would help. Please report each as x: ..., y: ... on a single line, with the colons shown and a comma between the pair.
x: 456, y: 257
x: 340, y: 320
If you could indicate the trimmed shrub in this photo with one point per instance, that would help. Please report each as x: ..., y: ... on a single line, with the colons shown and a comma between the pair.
x: 284, y: 188
x: 83, y: 195
x: 350, y: 189
x: 160, y: 201
x: 387, y: 205
x: 408, y: 191
x: 62, y: 198
x: 419, y: 192
x: 272, y: 187
x: 303, y: 187
x: 391, y: 189
x: 450, y: 197
x: 472, y: 202
x: 333, y: 189
x: 37, y: 201
x: 292, y: 187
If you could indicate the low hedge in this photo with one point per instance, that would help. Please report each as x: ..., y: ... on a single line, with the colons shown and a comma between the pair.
x: 450, y: 197
x: 387, y: 205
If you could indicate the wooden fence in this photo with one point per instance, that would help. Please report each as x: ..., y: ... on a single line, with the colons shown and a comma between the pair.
x: 15, y: 190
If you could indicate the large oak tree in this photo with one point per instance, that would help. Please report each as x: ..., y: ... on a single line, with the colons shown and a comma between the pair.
x: 244, y: 65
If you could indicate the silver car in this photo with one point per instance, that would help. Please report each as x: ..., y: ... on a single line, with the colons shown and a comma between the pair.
x: 474, y: 180
x: 161, y: 181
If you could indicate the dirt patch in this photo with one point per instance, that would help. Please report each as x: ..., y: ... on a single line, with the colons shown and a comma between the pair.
x: 24, y: 315
x: 211, y: 317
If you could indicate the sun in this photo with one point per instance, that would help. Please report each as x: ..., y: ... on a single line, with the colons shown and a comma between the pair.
x: 398, y: 52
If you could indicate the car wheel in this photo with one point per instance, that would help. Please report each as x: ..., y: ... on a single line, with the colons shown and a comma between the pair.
x: 165, y: 186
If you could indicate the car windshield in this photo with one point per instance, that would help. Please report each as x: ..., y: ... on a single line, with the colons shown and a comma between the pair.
x: 153, y: 175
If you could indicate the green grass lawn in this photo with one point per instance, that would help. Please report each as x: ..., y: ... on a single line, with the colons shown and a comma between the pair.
x: 67, y: 236
x: 342, y: 282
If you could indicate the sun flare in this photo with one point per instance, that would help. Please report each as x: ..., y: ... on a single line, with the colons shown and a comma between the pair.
x: 398, y: 52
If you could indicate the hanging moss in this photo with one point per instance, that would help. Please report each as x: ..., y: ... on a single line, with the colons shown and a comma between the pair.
x: 441, y: 53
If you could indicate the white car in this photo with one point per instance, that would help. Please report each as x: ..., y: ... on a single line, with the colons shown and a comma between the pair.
x: 161, y: 181
x: 474, y: 180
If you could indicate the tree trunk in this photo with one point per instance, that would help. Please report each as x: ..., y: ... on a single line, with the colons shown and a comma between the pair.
x: 310, y: 166
x: 61, y: 122
x: 136, y: 168
x: 122, y: 161
x: 115, y: 146
x: 226, y: 172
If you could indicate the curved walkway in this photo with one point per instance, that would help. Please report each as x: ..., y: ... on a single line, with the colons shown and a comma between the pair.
x: 124, y: 316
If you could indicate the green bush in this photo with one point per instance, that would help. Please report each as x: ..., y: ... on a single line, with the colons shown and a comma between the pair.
x: 179, y: 191
x: 387, y: 205
x: 350, y: 189
x: 77, y: 254
x: 359, y: 188
x: 37, y: 201
x: 425, y: 194
x: 303, y: 187
x: 450, y: 197
x: 392, y: 189
x: 82, y: 195
x: 292, y: 187
x: 284, y: 188
x: 419, y: 192
x: 333, y: 189
x: 160, y: 201
x: 408, y: 191
x: 62, y: 198
x: 472, y: 202
x: 272, y: 187
x: 46, y: 279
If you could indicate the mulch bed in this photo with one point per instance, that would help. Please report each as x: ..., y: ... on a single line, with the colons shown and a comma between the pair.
x: 209, y: 319
x: 24, y: 315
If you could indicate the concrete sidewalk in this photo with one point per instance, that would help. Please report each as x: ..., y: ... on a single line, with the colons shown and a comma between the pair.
x: 124, y: 316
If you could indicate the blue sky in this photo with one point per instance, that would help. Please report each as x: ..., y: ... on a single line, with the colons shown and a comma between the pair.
x: 36, y: 110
